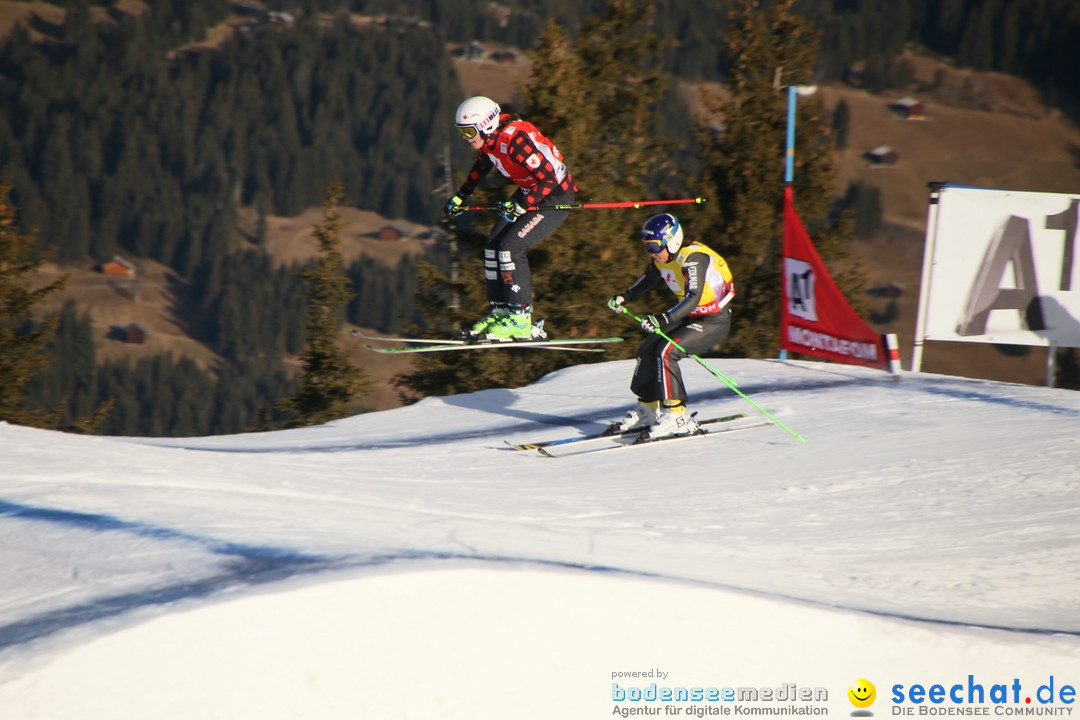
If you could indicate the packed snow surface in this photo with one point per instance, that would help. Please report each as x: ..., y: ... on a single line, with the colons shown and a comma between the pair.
x: 410, y: 564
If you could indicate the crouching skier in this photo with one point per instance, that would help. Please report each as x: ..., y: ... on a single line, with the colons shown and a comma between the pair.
x: 702, y: 283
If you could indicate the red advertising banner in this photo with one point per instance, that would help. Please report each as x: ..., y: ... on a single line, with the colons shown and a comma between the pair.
x: 815, y: 318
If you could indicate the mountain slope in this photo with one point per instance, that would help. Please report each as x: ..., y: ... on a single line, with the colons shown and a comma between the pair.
x: 408, y: 564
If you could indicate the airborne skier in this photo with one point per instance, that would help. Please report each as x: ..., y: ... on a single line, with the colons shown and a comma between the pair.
x: 520, y: 152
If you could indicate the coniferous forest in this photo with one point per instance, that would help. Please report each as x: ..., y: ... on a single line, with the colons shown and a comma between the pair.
x: 117, y: 134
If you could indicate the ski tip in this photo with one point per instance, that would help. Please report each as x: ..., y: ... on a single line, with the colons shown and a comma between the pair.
x: 538, y: 447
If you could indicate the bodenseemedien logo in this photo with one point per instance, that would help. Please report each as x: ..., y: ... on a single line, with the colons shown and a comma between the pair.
x: 862, y: 694
x: 702, y: 700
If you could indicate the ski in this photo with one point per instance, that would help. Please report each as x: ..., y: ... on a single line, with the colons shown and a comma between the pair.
x: 605, y: 435
x: 423, y: 341
x: 569, y: 345
x: 428, y: 345
x: 639, y: 442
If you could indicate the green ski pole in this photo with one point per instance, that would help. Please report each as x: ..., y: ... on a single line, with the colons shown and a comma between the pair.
x: 722, y: 378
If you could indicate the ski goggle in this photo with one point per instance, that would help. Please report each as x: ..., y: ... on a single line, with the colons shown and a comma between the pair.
x: 467, y: 131
x: 653, y: 246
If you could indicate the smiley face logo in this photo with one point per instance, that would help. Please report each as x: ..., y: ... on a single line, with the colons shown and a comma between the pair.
x: 862, y: 693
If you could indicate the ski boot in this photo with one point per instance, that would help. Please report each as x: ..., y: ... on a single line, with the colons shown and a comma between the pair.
x: 672, y: 421
x: 479, y: 328
x: 637, y: 418
x: 515, y: 326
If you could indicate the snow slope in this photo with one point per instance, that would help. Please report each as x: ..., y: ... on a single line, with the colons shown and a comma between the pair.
x: 408, y: 564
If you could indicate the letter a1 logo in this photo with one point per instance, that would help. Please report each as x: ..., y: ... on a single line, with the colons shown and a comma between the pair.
x: 799, y: 277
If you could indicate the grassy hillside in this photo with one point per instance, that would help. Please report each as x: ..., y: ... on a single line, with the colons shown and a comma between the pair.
x: 999, y: 136
x: 982, y: 129
x: 150, y: 297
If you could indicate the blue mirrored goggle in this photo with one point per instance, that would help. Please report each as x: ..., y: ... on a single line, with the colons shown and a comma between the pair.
x: 653, y: 246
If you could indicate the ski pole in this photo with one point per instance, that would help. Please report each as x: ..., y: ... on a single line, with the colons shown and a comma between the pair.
x: 599, y: 205
x: 721, y: 377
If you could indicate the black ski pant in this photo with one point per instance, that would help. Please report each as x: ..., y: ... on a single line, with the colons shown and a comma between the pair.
x: 656, y: 374
x: 507, y: 276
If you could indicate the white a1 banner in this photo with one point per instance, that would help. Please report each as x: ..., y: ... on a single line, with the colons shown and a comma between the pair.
x: 1001, y: 267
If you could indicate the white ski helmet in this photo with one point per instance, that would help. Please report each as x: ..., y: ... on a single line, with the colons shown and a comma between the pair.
x: 477, y: 114
x: 662, y: 231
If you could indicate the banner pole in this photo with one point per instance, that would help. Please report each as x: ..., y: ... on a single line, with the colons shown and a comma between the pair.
x: 1050, y: 352
x: 936, y: 189
x: 789, y: 166
x: 789, y: 170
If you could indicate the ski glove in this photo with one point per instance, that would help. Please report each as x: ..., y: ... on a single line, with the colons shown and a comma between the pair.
x: 615, y: 304
x: 455, y: 205
x: 652, y: 323
x: 510, y: 210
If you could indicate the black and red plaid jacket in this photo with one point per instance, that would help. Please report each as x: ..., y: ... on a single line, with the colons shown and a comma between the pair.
x: 524, y: 155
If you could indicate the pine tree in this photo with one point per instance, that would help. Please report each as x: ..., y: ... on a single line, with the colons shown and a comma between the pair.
x: 597, y: 99
x: 744, y: 169
x: 841, y: 124
x: 22, y: 339
x: 601, y: 97
x: 329, y: 381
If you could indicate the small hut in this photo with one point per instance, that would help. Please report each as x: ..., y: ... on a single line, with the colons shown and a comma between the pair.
x: 118, y: 266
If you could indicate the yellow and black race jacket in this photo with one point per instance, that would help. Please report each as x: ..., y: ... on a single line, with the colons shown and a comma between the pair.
x: 699, y: 277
